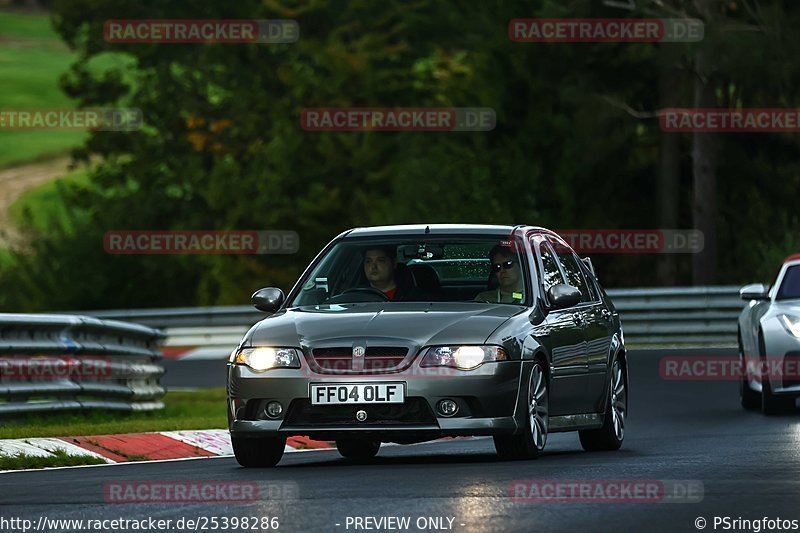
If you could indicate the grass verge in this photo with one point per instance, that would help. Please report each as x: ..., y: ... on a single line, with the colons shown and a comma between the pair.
x: 23, y: 461
x: 32, y: 60
x: 202, y: 409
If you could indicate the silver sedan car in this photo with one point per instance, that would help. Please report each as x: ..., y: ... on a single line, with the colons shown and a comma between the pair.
x: 769, y: 342
x: 406, y: 334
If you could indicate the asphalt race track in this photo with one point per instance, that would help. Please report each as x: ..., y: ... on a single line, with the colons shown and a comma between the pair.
x: 748, y: 464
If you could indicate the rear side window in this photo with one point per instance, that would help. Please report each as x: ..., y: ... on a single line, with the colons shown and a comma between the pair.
x: 460, y: 263
x: 572, y: 269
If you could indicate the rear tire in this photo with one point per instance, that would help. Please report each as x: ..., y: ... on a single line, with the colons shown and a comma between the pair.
x: 258, y: 452
x: 610, y: 436
x: 531, y: 443
x: 770, y: 403
x: 358, y: 450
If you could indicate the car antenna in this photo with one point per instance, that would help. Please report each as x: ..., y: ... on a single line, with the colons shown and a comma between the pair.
x: 427, y: 229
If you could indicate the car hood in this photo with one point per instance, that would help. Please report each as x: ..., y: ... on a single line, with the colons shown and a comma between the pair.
x: 411, y: 323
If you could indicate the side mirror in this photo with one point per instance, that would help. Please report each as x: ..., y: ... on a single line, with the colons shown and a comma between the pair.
x: 562, y: 296
x: 267, y: 300
x: 754, y: 291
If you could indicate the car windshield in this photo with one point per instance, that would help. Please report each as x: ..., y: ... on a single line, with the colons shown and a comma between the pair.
x: 458, y: 269
x: 790, y: 288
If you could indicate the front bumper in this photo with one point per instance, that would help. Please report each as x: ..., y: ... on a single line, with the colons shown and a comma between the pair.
x: 782, y: 361
x: 487, y: 398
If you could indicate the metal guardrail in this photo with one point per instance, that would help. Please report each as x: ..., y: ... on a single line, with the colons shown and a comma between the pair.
x: 679, y: 315
x: 181, y: 317
x: 650, y: 316
x: 66, y: 362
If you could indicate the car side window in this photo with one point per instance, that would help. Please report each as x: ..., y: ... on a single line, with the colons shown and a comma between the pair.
x: 790, y: 288
x: 572, y: 269
x: 551, y: 274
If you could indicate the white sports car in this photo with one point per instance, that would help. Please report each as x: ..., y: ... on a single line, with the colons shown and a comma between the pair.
x: 769, y: 342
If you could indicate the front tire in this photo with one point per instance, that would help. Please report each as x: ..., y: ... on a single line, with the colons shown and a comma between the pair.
x: 750, y: 399
x: 610, y: 436
x: 258, y: 452
x: 531, y: 443
x: 770, y: 403
x: 358, y: 450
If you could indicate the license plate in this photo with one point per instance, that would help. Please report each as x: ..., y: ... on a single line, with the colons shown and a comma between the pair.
x: 343, y: 393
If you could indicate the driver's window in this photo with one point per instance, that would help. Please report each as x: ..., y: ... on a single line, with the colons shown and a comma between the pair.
x: 337, y: 272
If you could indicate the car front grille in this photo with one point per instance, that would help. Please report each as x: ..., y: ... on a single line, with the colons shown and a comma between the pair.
x: 414, y: 412
x: 376, y: 360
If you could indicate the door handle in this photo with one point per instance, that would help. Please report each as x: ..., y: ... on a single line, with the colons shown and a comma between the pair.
x: 578, y: 319
x: 606, y: 314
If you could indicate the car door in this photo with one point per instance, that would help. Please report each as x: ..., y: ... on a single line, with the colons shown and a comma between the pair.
x: 597, y: 323
x: 564, y: 334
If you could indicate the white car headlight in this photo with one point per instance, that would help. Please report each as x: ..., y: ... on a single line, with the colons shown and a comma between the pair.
x: 462, y: 357
x: 263, y: 358
x: 791, y: 324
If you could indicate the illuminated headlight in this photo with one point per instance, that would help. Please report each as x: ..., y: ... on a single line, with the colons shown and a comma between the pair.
x: 791, y: 324
x: 463, y: 357
x: 263, y: 358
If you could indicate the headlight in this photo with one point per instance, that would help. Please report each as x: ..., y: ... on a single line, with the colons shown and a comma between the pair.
x: 462, y: 357
x: 263, y: 358
x: 791, y: 324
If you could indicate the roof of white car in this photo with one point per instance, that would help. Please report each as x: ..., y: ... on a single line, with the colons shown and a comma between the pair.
x: 793, y: 259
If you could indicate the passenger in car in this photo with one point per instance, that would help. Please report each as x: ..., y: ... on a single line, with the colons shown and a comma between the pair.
x: 507, y: 275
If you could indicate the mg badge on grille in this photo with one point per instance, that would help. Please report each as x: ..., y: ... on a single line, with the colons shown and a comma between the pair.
x: 357, y: 364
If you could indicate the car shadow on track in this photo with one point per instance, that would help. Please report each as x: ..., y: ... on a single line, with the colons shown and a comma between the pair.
x: 449, y: 458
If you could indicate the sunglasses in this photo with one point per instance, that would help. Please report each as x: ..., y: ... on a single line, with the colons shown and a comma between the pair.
x: 505, y: 265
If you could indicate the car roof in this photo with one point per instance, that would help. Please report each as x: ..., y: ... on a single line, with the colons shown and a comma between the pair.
x: 793, y: 257
x: 433, y: 229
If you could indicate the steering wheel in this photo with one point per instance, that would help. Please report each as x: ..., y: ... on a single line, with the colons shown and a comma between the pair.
x: 367, y: 290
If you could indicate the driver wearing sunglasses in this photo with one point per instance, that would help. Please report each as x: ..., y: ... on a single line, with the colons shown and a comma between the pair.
x: 506, y: 270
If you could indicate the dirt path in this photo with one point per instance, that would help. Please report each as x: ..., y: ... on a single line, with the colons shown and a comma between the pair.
x: 16, y: 180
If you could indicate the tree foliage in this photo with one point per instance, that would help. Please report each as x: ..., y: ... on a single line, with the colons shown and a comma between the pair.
x: 222, y: 146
